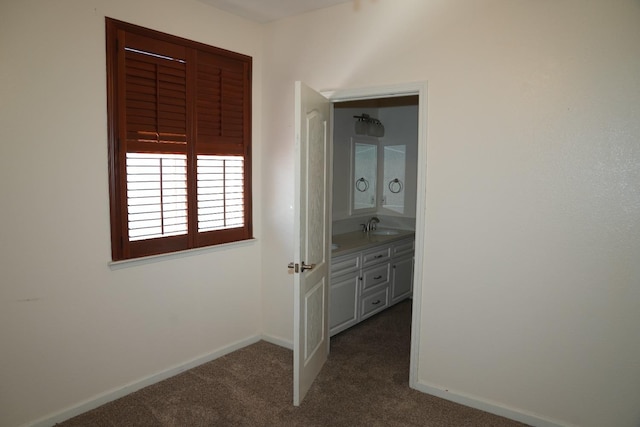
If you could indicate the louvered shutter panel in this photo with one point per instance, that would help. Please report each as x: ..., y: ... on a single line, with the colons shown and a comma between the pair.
x: 155, y: 94
x: 155, y: 131
x: 221, y: 105
x: 222, y: 128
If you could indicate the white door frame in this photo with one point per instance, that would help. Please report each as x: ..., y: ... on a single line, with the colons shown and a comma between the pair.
x: 420, y: 89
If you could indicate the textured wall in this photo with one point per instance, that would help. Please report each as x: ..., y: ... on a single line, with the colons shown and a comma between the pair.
x: 531, y: 295
x: 71, y: 328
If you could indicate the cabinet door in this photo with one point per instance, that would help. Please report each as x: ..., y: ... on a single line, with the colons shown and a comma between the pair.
x: 402, y: 279
x: 343, y: 302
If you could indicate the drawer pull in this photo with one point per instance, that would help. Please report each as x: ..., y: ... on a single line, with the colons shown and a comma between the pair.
x: 378, y: 256
x: 377, y: 277
x: 376, y: 302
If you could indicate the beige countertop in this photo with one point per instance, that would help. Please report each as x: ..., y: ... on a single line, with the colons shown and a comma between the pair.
x: 358, y: 240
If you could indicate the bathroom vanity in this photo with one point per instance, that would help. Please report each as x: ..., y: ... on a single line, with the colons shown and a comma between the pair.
x: 370, y: 271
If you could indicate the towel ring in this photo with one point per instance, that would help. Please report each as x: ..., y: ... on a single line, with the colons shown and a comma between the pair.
x: 395, y: 186
x: 362, y: 185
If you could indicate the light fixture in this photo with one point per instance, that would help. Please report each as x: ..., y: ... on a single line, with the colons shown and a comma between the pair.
x: 362, y: 125
x: 367, y: 125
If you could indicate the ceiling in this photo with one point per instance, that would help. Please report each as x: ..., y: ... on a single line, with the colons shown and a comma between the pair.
x: 270, y: 10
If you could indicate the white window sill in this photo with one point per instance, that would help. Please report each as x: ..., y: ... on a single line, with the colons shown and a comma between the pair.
x: 118, y: 265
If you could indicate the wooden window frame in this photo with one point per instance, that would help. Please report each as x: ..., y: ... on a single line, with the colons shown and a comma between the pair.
x: 230, y: 134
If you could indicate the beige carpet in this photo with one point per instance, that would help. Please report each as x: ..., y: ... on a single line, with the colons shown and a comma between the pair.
x: 364, y: 383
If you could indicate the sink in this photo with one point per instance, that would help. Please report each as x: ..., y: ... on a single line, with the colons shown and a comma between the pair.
x: 334, y: 246
x: 384, y: 232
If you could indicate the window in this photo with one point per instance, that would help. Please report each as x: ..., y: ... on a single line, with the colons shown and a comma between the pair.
x: 179, y: 115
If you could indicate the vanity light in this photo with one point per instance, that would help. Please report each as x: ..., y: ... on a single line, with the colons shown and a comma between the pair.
x: 367, y: 125
x: 362, y: 125
x: 376, y: 128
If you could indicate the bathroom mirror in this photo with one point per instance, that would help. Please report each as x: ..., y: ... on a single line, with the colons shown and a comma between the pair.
x: 364, y: 172
x: 393, y: 181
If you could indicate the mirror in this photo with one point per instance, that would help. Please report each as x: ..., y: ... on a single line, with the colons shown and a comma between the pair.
x: 364, y: 172
x: 394, y: 177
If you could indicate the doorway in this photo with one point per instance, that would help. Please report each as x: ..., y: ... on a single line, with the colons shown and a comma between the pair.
x: 401, y: 106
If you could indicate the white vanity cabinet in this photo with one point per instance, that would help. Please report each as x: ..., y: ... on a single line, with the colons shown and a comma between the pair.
x: 343, y: 292
x: 402, y: 270
x: 366, y: 282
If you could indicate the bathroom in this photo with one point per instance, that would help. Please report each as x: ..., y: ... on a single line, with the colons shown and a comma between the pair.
x: 375, y: 152
x: 399, y: 117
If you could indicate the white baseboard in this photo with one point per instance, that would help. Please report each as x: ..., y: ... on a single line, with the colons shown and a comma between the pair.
x: 117, y: 393
x: 278, y: 341
x: 114, y: 394
x: 487, y: 406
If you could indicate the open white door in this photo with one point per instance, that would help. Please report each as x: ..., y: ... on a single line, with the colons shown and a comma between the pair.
x: 311, y: 246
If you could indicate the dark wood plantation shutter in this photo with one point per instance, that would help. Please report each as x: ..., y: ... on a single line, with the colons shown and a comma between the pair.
x: 179, y: 132
x: 155, y: 95
x: 222, y: 97
x: 223, y: 126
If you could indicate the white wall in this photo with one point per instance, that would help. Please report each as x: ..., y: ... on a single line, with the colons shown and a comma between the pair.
x: 71, y: 328
x: 531, y: 287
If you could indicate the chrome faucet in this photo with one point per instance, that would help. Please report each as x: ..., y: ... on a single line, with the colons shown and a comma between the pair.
x: 371, y: 224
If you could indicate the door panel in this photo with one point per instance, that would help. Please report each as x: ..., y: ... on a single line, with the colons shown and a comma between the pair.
x: 311, y: 245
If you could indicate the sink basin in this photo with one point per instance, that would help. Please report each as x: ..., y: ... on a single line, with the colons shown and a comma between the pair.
x: 334, y: 246
x: 384, y: 232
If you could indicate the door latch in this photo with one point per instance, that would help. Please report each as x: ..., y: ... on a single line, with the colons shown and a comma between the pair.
x: 297, y: 268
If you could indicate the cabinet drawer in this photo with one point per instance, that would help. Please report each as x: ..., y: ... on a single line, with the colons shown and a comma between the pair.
x: 375, y: 276
x: 403, y: 247
x: 374, y: 303
x: 345, y: 263
x: 376, y: 255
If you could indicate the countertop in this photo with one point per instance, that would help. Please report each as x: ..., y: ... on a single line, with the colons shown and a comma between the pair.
x: 358, y: 240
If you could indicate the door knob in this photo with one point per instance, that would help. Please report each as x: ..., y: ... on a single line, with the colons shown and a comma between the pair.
x: 300, y: 268
x: 306, y: 266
